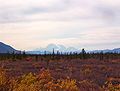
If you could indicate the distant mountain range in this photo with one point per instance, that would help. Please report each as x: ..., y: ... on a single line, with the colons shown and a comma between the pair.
x: 4, y: 48
x: 50, y: 47
x: 116, y: 50
x: 61, y: 48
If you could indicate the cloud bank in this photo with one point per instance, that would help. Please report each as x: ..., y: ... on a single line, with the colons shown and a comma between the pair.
x: 92, y: 24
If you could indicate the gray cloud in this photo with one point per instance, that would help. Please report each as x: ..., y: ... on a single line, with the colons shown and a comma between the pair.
x: 57, y: 10
x: 86, y: 22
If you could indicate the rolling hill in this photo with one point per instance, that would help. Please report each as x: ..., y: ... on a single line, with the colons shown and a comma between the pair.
x: 4, y: 48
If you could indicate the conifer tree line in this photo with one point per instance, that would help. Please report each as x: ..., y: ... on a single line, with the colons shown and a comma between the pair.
x: 59, y: 55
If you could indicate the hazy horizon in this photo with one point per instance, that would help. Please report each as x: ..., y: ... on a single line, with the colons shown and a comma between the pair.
x: 89, y: 24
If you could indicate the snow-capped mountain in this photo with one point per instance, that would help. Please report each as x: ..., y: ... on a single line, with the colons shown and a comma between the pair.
x: 50, y: 47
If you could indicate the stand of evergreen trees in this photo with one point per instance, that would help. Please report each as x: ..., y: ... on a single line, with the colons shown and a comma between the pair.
x: 59, y: 55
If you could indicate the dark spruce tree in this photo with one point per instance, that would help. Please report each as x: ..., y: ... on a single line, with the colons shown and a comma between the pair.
x: 83, y: 54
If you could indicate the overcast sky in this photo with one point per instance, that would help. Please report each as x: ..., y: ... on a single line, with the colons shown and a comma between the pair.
x: 30, y: 24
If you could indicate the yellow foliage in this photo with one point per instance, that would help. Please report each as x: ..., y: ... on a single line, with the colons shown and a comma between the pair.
x: 32, y: 82
x: 3, y: 78
x: 68, y: 84
x: 111, y: 87
x: 4, y: 82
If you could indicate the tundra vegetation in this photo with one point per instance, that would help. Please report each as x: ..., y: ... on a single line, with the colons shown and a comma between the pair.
x: 60, y: 72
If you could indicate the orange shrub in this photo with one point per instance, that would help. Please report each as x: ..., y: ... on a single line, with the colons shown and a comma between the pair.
x: 32, y: 82
x: 68, y: 84
x: 4, y: 81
